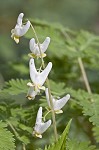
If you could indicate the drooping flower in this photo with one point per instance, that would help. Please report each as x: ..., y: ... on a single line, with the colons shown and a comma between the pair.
x: 34, y: 48
x: 31, y: 93
x: 20, y: 28
x: 57, y: 104
x: 40, y: 126
x: 38, y: 78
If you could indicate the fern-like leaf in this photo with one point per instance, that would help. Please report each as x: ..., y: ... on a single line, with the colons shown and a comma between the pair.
x: 89, y: 103
x: 96, y: 133
x: 17, y: 86
x: 6, y: 138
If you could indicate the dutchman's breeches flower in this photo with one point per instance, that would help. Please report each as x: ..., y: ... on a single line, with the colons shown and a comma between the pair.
x: 20, y: 29
x: 38, y: 78
x: 40, y: 127
x: 34, y: 48
x: 57, y: 104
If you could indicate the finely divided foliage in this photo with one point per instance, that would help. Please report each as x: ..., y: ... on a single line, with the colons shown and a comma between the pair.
x: 30, y: 109
x: 7, y: 142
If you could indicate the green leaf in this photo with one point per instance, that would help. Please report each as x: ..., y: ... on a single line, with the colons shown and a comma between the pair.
x: 15, y: 90
x: 57, y: 89
x: 25, y: 128
x: 17, y: 86
x: 24, y: 139
x: 88, y: 102
x: 6, y: 138
x: 96, y: 133
x: 77, y: 145
x: 61, y: 143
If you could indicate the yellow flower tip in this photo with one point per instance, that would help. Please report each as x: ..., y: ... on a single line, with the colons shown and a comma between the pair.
x: 58, y: 111
x: 31, y: 55
x: 37, y: 134
x: 43, y: 55
x: 16, y: 39
x: 29, y: 84
x: 38, y: 87
x: 29, y: 97
x: 41, y: 87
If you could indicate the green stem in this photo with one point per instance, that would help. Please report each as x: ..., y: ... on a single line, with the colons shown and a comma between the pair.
x: 87, y: 85
x: 80, y: 62
x: 24, y: 148
x: 46, y: 115
x: 15, y: 132
x: 84, y: 75
x: 48, y: 85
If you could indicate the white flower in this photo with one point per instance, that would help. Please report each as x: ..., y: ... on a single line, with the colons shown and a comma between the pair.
x: 38, y: 78
x: 31, y: 93
x: 57, y: 104
x: 34, y: 48
x: 19, y: 29
x: 40, y: 127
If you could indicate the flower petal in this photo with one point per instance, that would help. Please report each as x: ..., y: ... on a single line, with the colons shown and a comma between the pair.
x: 43, y: 75
x: 33, y: 71
x: 58, y: 104
x: 42, y: 88
x: 42, y: 127
x: 31, y: 93
x: 39, y: 116
x: 45, y: 44
x: 37, y: 134
x: 20, y: 18
x: 16, y: 39
x: 45, y: 126
x: 32, y: 45
x: 21, y: 30
x: 30, y: 84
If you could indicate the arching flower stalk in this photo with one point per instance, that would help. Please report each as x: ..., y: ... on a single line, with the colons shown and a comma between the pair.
x: 48, y: 85
x: 20, y: 28
x: 34, y: 48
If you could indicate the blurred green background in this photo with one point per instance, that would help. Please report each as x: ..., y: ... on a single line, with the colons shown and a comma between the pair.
x: 75, y: 14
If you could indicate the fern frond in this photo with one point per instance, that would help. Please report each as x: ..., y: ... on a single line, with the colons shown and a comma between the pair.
x: 96, y: 133
x: 89, y: 103
x: 7, y: 142
x: 17, y: 86
x: 15, y: 90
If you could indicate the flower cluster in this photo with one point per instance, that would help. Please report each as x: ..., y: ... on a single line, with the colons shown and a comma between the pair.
x: 38, y: 78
